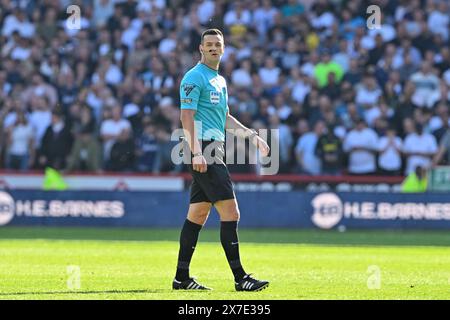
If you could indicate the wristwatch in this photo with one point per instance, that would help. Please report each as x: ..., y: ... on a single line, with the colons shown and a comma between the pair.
x: 197, y: 154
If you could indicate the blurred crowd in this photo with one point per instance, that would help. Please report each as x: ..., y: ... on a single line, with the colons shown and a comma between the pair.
x: 102, y: 92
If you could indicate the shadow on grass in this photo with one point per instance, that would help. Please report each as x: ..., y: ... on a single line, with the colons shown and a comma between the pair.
x: 295, y: 236
x: 72, y: 292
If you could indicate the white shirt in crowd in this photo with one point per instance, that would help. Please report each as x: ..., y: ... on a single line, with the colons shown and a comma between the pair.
x: 264, y: 18
x: 436, y: 123
x: 241, y: 78
x: 325, y: 20
x: 306, y: 145
x: 269, y: 76
x: 425, y: 143
x: 113, y: 75
x: 102, y: 11
x: 387, y: 32
x: 205, y: 11
x: 308, y: 69
x: 446, y: 76
x: 25, y: 28
x: 231, y: 18
x: 11, y: 118
x: 167, y: 46
x: 361, y: 161
x: 150, y: 5
x: 438, y: 23
x: 391, y: 158
x: 21, y: 136
x: 427, y: 89
x: 20, y: 53
x: 372, y: 114
x: 366, y: 96
x: 300, y: 90
x: 113, y: 128
x: 40, y: 120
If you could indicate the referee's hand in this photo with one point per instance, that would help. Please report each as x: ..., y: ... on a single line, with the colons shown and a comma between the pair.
x: 199, y: 164
x: 262, y: 146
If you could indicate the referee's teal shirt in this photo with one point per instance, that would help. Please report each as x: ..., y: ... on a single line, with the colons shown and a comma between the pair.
x: 204, y: 90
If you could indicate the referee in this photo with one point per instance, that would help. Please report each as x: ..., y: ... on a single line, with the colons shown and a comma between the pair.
x: 205, y: 116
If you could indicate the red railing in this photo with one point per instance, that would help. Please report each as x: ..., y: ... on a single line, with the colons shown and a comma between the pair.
x: 235, y: 176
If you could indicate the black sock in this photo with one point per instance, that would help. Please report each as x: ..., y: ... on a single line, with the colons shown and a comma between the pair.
x: 188, y: 241
x: 230, y: 243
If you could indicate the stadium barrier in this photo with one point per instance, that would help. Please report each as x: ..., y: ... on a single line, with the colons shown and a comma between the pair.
x: 288, y: 209
x: 179, y: 182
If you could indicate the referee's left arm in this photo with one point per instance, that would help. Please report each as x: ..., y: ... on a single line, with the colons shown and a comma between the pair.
x: 242, y: 131
x: 238, y: 128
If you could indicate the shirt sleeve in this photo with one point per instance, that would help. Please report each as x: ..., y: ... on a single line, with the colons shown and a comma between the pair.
x: 445, y: 141
x: 433, y: 144
x: 382, y: 143
x: 190, y: 89
x: 374, y: 140
x: 347, y: 143
x: 405, y: 147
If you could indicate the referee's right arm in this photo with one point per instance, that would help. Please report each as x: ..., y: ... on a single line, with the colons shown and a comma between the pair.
x: 188, y: 123
x: 189, y: 97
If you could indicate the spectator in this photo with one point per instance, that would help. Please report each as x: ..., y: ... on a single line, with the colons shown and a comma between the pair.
x: 332, y: 89
x: 122, y: 153
x: 407, y: 69
x: 237, y: 19
x: 56, y: 143
x: 40, y: 118
x: 283, y: 138
x: 270, y: 73
x: 440, y: 123
x: 326, y: 66
x: 39, y: 88
x: 416, y: 181
x: 300, y: 85
x: 419, y: 147
x: 353, y: 74
x: 103, y: 10
x: 368, y: 92
x: 242, y: 77
x: 107, y: 72
x: 329, y: 151
x: 390, y: 153
x: 361, y: 144
x: 292, y: 8
x: 164, y: 161
x: 86, y: 152
x: 12, y: 108
x: 438, y: 20
x: 20, y: 153
x: 264, y: 18
x: 308, y: 162
x: 147, y: 149
x: 110, y: 130
x: 426, y: 86
x: 443, y: 154
x: 290, y: 59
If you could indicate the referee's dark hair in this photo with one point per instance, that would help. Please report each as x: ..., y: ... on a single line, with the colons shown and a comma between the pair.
x: 212, y: 32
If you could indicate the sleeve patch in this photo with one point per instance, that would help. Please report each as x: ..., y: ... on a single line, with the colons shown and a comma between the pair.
x: 187, y: 88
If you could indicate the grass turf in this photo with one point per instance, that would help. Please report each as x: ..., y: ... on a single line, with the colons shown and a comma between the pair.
x: 301, y: 264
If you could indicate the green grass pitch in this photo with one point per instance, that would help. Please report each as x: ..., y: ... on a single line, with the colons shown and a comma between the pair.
x: 140, y: 264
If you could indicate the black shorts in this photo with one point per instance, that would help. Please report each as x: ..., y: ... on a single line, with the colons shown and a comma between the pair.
x: 215, y: 184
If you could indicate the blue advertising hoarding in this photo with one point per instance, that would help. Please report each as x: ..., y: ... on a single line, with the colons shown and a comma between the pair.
x: 292, y: 209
